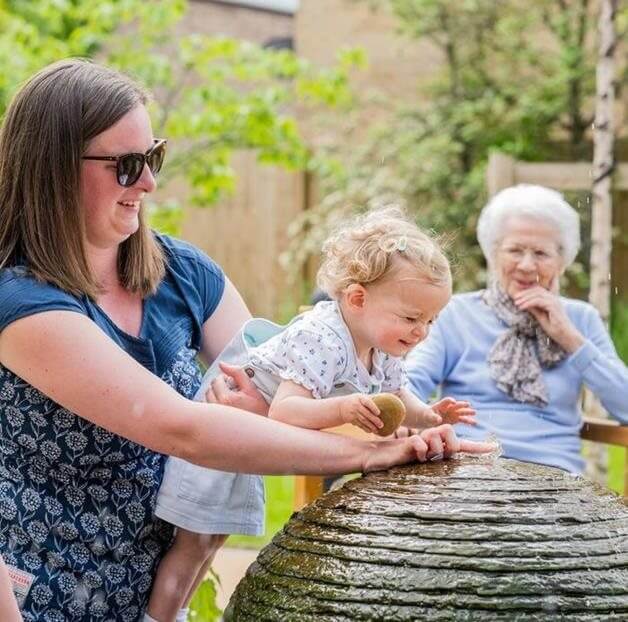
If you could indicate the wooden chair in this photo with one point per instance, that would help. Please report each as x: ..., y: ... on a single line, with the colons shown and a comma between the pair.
x: 309, y: 487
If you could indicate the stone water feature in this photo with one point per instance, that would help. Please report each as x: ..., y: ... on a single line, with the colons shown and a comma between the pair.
x: 469, y: 539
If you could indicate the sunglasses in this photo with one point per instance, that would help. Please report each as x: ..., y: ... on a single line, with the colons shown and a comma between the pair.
x: 129, y: 166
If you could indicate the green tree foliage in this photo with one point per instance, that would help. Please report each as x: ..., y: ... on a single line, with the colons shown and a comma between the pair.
x: 516, y: 75
x: 212, y: 94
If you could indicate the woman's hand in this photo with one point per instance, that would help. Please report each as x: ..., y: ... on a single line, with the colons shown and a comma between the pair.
x: 548, y: 310
x: 454, y: 411
x: 361, y: 411
x: 234, y: 388
x: 429, y: 445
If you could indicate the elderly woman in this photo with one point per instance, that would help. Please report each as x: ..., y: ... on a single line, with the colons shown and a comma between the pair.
x: 519, y: 351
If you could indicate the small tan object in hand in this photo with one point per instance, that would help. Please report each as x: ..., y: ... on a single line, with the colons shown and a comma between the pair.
x: 391, y: 411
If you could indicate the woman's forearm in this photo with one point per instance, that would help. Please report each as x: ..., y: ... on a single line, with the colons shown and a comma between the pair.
x: 607, y: 377
x: 232, y: 440
x: 228, y: 439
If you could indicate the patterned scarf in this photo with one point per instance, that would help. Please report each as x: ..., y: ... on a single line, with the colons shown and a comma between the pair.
x: 516, y: 358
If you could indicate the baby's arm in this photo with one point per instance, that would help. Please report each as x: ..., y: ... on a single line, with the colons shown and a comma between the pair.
x: 295, y: 405
x: 448, y: 410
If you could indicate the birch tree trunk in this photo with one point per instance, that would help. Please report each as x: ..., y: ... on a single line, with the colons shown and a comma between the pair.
x: 602, y: 206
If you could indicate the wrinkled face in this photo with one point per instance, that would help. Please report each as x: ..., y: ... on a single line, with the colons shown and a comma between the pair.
x: 112, y: 211
x: 398, y: 312
x: 528, y: 255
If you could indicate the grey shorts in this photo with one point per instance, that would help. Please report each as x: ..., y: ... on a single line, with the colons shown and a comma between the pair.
x: 207, y: 501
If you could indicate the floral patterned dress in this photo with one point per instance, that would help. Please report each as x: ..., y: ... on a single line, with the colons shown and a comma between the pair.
x: 77, y: 529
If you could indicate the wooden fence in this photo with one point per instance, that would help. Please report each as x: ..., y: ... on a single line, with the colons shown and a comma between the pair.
x: 246, y: 232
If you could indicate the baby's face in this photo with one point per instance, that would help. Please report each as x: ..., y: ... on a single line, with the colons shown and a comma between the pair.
x: 399, y: 312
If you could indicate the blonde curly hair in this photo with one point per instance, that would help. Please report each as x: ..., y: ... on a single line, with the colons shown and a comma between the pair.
x: 368, y: 248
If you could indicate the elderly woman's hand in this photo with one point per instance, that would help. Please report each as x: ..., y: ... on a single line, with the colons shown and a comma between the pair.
x: 234, y: 388
x: 548, y: 310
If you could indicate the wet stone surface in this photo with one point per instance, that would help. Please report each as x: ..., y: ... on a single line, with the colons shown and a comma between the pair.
x: 469, y: 539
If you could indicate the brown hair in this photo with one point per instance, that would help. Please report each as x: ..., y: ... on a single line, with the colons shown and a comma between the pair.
x: 45, y: 132
x: 368, y: 248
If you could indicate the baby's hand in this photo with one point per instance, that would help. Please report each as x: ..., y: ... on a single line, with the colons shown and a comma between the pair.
x: 361, y: 411
x: 454, y: 411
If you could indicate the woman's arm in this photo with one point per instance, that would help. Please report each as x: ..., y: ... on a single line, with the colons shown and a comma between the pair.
x: 8, y: 606
x: 218, y: 330
x: 224, y: 323
x: 602, y: 369
x: 590, y: 346
x: 295, y: 405
x: 69, y: 359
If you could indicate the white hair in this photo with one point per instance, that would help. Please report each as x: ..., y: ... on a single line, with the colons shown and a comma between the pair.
x: 532, y: 201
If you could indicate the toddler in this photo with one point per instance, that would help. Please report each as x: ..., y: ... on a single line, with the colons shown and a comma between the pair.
x: 388, y: 281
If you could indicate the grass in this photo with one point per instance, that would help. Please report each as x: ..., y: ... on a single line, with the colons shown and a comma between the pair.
x: 616, y: 462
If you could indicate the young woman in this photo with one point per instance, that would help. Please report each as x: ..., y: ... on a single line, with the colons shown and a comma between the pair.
x: 100, y: 324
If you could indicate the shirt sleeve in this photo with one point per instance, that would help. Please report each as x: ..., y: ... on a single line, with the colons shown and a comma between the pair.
x: 310, y: 360
x: 22, y: 295
x: 211, y: 282
x: 395, y: 376
x: 201, y: 279
x: 601, y: 368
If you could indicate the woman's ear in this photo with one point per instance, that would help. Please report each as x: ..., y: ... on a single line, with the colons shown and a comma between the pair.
x: 355, y: 296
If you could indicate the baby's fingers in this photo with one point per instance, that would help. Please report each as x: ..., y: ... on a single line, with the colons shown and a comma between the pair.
x: 457, y: 415
x: 368, y: 404
x: 365, y: 425
x: 370, y: 420
x: 470, y: 419
x: 444, y: 404
x: 358, y: 423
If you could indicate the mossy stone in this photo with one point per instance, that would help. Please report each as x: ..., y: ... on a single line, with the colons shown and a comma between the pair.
x: 474, y: 539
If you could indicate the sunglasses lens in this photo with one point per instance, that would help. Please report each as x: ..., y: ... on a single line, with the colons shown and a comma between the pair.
x: 129, y: 169
x: 155, y: 158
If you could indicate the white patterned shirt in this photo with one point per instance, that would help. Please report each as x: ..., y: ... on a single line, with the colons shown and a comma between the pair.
x: 316, y: 351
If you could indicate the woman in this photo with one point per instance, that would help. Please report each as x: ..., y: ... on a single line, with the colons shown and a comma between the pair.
x: 518, y: 351
x: 100, y: 324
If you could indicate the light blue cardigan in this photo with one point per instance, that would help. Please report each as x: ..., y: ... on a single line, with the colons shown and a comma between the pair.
x: 454, y: 356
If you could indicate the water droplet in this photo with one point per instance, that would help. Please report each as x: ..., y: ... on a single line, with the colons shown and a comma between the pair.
x: 498, y: 451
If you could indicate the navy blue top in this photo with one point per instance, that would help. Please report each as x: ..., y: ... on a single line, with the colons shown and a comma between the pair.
x: 76, y: 501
